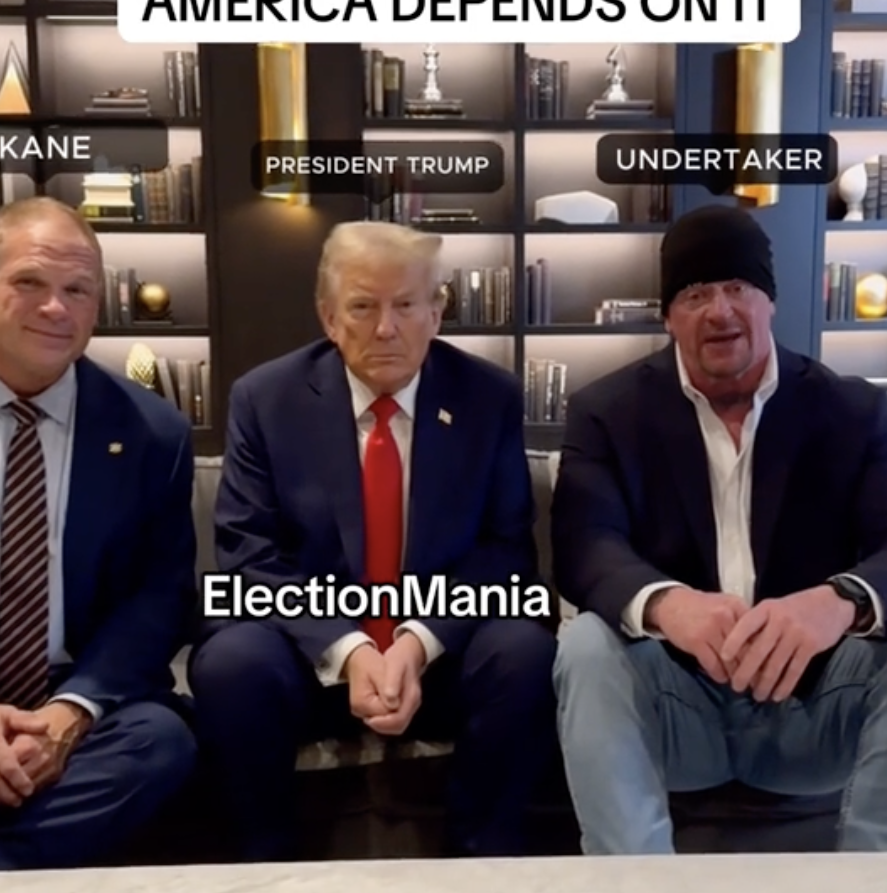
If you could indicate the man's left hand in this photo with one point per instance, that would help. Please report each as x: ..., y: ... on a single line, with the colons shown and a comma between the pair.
x: 404, y: 661
x: 770, y: 647
x: 47, y: 755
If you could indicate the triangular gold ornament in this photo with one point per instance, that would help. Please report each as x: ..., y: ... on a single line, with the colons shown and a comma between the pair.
x: 14, y: 88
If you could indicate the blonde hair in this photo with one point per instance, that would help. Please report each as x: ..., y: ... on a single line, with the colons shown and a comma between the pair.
x: 376, y: 241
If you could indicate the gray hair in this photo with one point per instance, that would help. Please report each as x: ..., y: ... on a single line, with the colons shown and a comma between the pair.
x: 360, y: 241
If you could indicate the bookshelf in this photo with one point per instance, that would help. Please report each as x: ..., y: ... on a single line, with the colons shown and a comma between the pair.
x: 74, y: 57
x: 554, y: 324
x: 854, y: 111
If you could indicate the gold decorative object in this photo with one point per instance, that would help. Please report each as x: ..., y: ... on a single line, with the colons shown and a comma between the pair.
x: 871, y: 297
x: 759, y: 106
x: 15, y: 90
x: 283, y: 116
x: 153, y: 302
x: 141, y: 366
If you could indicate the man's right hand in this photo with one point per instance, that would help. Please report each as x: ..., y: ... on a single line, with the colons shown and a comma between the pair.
x: 698, y: 623
x: 15, y: 783
x: 365, y: 671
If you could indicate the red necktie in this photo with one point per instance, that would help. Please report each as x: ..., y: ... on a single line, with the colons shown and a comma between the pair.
x: 383, y: 512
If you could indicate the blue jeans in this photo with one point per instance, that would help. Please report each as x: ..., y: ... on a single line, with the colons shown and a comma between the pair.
x: 634, y: 725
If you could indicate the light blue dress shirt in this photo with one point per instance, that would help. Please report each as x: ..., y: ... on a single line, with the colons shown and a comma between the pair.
x: 56, y: 431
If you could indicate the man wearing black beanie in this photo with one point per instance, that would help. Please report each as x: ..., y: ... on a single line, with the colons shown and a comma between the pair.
x: 720, y: 522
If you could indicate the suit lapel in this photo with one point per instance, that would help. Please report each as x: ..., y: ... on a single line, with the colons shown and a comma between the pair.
x: 432, y: 460
x: 98, y: 461
x: 781, y: 429
x: 336, y: 431
x: 673, y: 423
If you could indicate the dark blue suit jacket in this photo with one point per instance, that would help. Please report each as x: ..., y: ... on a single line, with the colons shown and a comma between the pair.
x: 290, y: 500
x: 633, y: 504
x: 129, y: 548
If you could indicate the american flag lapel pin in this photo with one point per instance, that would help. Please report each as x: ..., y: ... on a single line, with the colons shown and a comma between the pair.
x: 444, y: 416
x: 115, y: 448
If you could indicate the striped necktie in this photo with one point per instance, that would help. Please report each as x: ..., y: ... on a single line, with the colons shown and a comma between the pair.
x: 24, y: 567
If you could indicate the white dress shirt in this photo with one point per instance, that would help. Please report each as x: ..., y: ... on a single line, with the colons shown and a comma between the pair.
x: 56, y: 432
x: 329, y: 669
x: 730, y: 474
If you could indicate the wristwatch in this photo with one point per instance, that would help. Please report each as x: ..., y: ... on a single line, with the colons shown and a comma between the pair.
x: 858, y: 594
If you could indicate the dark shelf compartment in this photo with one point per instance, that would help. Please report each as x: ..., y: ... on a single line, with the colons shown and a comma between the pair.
x: 547, y: 436
x: 874, y: 123
x: 856, y: 325
x: 548, y: 228
x: 204, y: 441
x: 490, y: 124
x: 103, y: 226
x: 860, y: 21
x: 600, y: 126
x: 611, y: 328
x: 12, y: 12
x: 151, y: 331
x: 856, y: 226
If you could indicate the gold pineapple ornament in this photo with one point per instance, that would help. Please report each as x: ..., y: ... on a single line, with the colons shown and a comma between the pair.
x: 141, y: 366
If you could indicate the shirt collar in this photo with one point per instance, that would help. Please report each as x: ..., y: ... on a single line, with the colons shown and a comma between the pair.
x: 766, y: 388
x: 56, y: 401
x: 362, y: 397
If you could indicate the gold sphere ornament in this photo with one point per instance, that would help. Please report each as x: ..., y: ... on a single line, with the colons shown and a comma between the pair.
x: 871, y: 297
x: 153, y: 297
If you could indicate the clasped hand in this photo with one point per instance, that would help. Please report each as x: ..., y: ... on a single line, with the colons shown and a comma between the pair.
x: 764, y: 648
x: 384, y: 689
x: 34, y: 747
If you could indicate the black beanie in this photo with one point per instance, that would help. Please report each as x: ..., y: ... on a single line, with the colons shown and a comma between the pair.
x: 715, y: 244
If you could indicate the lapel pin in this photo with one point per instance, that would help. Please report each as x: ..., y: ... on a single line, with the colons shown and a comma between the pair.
x: 115, y: 447
x: 444, y: 416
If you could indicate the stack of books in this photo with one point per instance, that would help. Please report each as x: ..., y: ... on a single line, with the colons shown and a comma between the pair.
x: 107, y: 197
x: 124, y: 103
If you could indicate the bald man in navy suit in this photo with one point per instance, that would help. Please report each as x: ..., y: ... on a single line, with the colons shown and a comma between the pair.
x: 97, y: 556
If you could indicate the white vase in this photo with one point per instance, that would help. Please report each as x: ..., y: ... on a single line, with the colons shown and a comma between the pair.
x: 852, y: 188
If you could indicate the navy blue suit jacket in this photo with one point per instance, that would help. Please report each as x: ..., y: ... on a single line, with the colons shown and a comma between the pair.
x: 633, y: 503
x: 129, y: 549
x: 290, y: 500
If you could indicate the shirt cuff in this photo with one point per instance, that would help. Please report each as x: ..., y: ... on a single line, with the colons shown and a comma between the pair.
x: 877, y: 626
x: 633, y: 614
x: 432, y: 645
x: 329, y: 668
x: 90, y: 707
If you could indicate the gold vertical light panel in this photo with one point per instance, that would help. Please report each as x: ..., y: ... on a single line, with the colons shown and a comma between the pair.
x: 14, y: 88
x: 758, y: 106
x: 283, y: 115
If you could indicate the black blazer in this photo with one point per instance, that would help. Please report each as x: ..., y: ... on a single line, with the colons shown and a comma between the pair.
x: 632, y: 504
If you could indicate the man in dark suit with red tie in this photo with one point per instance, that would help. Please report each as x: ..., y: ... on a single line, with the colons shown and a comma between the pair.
x: 377, y: 453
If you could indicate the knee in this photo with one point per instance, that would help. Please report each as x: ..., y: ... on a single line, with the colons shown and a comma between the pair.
x: 242, y: 652
x: 520, y: 655
x: 588, y: 650
x: 161, y: 747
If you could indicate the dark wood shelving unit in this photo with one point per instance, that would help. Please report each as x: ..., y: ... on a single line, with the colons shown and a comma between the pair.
x: 510, y: 121
x: 54, y: 92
